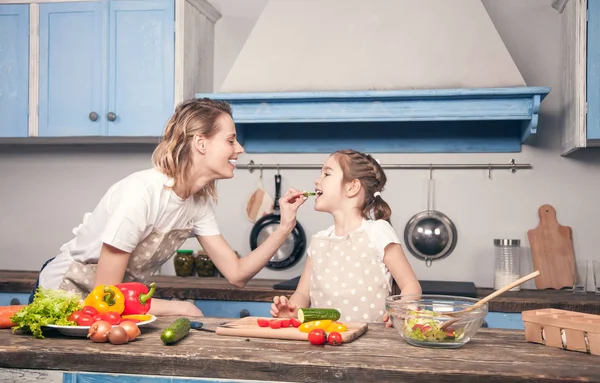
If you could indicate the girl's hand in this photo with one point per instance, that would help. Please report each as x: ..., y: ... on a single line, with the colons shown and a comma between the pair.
x: 387, y: 320
x: 283, y: 308
x: 288, y: 206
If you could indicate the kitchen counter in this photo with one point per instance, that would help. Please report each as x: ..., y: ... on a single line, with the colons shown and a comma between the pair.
x: 379, y: 355
x: 261, y: 290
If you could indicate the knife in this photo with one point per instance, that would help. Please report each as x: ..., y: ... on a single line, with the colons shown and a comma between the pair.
x: 202, y: 327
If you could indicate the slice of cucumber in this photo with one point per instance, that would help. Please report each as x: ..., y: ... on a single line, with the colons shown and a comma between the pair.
x: 310, y: 314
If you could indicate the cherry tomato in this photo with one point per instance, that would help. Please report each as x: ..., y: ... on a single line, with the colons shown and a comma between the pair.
x: 275, y: 323
x: 334, y: 338
x: 89, y: 310
x: 85, y: 320
x: 112, y: 317
x: 295, y: 322
x: 285, y: 323
x: 262, y: 322
x: 317, y: 336
x: 74, y: 316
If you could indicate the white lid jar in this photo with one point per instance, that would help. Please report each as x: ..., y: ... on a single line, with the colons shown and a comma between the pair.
x: 507, y: 262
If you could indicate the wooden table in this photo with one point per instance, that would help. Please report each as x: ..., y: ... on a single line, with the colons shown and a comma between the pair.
x: 378, y: 356
x: 261, y: 290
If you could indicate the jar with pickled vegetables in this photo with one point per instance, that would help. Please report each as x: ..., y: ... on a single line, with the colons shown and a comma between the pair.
x: 204, y: 266
x: 184, y: 263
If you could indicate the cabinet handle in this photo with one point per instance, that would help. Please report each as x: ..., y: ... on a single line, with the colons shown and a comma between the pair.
x: 111, y: 116
x: 15, y: 301
x: 244, y: 313
x: 93, y: 116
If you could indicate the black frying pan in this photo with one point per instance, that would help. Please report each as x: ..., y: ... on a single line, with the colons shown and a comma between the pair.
x: 294, y: 245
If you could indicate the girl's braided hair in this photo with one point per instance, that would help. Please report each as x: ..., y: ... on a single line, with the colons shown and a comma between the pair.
x: 363, y: 167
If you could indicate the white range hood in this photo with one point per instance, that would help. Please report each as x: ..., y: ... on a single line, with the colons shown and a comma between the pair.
x: 381, y: 61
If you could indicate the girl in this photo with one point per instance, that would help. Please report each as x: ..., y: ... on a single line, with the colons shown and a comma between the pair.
x: 143, y: 219
x: 351, y: 264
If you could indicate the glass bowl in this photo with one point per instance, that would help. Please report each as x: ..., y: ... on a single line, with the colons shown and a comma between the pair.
x: 418, y: 319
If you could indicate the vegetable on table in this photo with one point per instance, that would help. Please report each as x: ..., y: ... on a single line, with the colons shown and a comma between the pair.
x: 137, y: 317
x: 49, y: 306
x: 334, y: 338
x: 138, y: 297
x: 337, y: 327
x: 6, y: 312
x: 317, y: 336
x: 176, y: 331
x: 313, y: 314
x: 105, y: 298
x: 317, y: 324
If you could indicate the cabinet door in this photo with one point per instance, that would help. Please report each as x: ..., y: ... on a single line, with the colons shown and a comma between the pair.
x: 593, y: 71
x: 71, y: 69
x: 141, y: 66
x: 14, y: 70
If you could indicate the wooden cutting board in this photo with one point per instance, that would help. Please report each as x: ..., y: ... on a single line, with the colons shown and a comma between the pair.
x: 552, y: 251
x: 248, y: 327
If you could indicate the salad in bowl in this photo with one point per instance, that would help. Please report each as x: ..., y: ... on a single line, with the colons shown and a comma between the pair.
x: 422, y: 320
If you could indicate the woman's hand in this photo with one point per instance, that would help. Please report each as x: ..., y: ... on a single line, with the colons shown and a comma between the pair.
x: 288, y: 206
x: 283, y: 308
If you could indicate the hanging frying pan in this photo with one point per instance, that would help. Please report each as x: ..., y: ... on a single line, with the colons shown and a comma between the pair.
x: 294, y: 245
x: 430, y: 235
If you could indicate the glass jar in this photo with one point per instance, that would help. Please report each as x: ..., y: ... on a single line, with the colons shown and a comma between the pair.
x: 204, y: 266
x: 184, y: 263
x: 507, y: 262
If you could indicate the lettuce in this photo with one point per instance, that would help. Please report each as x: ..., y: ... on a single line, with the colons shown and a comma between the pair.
x: 48, y: 307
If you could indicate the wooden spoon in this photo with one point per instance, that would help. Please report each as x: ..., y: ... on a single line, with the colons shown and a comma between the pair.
x: 488, y: 298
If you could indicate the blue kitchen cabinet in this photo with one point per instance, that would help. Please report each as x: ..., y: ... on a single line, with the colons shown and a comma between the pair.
x: 7, y: 299
x: 14, y: 70
x: 106, y: 68
x: 71, y: 69
x: 510, y: 321
x: 141, y: 66
x: 233, y: 309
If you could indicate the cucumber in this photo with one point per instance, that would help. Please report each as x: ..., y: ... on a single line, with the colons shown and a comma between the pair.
x: 309, y: 315
x: 176, y: 331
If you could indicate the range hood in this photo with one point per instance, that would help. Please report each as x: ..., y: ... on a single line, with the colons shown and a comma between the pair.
x: 381, y: 76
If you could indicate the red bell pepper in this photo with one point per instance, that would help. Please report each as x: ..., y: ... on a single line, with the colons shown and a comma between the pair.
x: 137, y: 297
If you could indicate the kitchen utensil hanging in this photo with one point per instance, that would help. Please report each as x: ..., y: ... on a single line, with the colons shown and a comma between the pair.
x: 260, y: 202
x: 430, y: 235
x: 294, y: 246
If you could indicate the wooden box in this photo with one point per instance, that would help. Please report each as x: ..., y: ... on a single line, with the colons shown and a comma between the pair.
x: 569, y: 330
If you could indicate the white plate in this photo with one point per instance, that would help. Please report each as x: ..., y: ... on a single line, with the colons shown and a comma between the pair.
x: 82, y: 331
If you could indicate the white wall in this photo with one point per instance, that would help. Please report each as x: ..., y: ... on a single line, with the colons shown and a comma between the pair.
x: 45, y: 190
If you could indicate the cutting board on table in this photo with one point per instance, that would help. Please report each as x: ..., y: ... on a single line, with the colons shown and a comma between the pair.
x: 552, y: 251
x: 248, y: 327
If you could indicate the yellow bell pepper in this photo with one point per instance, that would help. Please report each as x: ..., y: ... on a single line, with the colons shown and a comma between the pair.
x: 316, y: 324
x: 337, y: 326
x: 105, y: 298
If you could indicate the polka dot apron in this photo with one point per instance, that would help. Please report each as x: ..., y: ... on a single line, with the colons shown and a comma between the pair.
x: 144, y: 262
x: 346, y: 275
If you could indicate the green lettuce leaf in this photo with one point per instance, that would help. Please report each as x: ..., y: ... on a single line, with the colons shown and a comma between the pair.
x: 48, y: 307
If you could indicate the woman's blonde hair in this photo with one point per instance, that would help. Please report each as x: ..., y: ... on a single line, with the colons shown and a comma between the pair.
x: 360, y: 166
x: 172, y: 155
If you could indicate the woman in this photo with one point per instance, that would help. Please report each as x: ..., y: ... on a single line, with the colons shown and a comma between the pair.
x: 143, y: 219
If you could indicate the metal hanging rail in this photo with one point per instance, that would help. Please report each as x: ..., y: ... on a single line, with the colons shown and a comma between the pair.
x: 512, y: 166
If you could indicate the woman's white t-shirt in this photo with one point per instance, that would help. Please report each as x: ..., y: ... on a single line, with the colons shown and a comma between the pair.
x: 129, y: 211
x: 380, y: 234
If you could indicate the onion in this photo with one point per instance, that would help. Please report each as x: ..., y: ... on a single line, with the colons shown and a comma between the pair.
x: 99, y: 331
x: 117, y: 335
x: 131, y: 328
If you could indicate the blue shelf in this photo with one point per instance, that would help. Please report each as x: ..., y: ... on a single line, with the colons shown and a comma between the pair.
x: 439, y: 120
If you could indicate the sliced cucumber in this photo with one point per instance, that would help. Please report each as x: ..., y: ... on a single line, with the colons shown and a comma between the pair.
x: 309, y: 315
